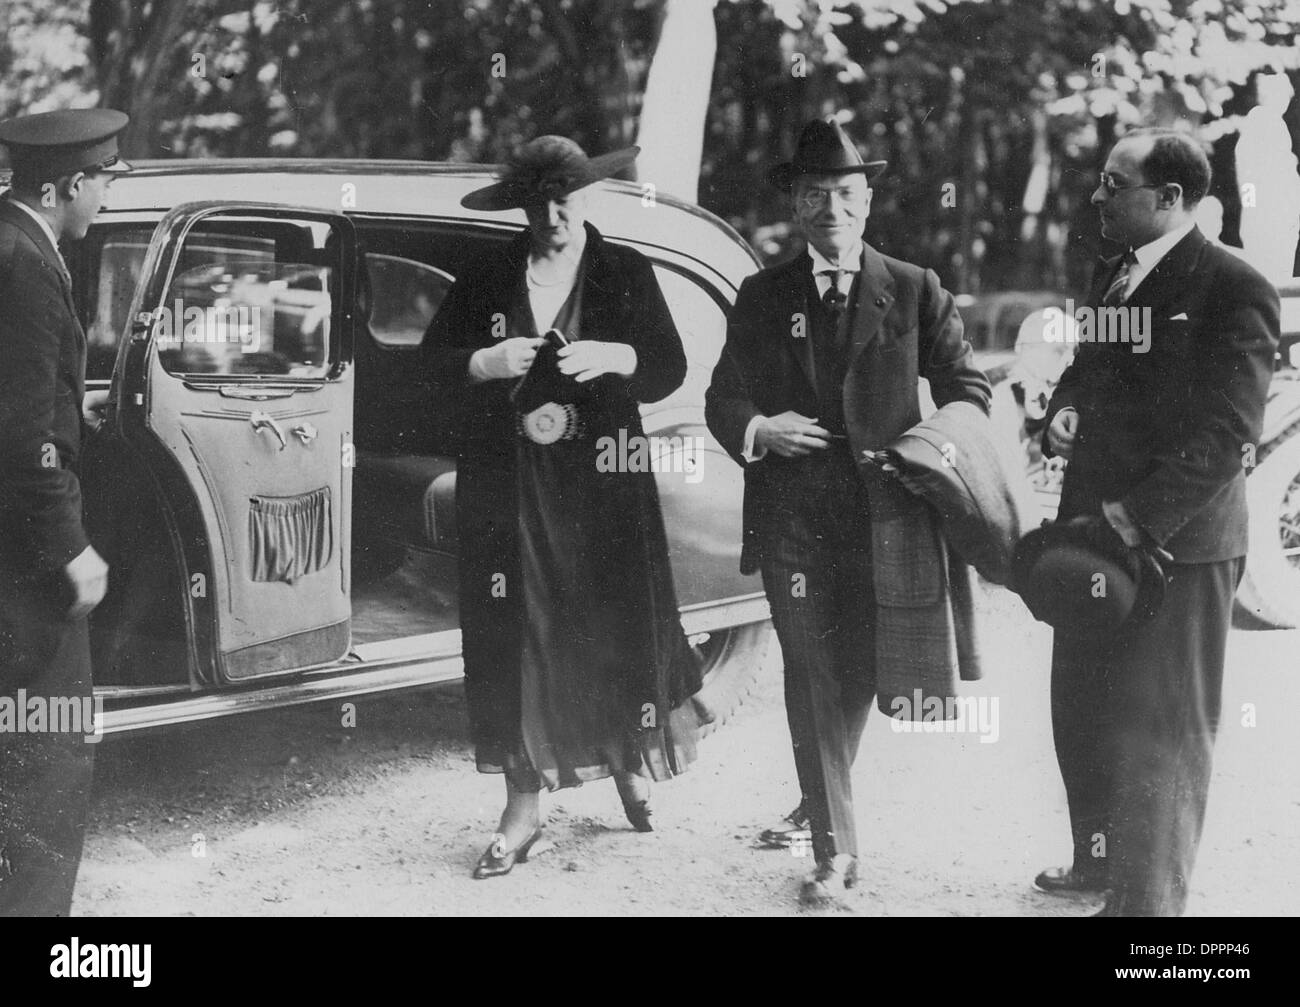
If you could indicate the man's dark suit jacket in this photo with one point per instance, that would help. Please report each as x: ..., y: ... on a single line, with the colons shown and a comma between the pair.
x: 42, y: 382
x: 1170, y: 432
x: 903, y: 326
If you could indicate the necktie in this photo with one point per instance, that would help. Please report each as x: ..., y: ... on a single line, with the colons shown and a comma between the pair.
x: 834, y: 298
x: 1115, y: 292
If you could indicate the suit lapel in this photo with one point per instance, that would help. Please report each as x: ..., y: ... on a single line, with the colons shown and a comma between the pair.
x: 875, y: 296
x: 1169, y: 277
x: 1102, y: 274
x: 791, y: 293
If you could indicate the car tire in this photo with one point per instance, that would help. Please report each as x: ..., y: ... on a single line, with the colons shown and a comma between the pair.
x: 734, y: 661
x: 1269, y: 595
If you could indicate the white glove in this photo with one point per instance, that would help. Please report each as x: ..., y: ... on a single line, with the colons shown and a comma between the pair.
x: 88, y: 576
x: 590, y: 358
x: 510, y: 358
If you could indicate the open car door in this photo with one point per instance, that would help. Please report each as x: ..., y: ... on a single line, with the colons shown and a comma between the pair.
x: 237, y: 383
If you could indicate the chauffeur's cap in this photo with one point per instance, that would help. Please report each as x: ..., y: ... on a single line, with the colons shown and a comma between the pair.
x: 54, y: 144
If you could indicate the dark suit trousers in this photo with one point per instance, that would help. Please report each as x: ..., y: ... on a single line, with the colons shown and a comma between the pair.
x: 44, y: 777
x: 1134, y: 722
x: 817, y: 574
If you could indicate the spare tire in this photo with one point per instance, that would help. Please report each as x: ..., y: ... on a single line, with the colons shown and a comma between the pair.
x: 1269, y: 596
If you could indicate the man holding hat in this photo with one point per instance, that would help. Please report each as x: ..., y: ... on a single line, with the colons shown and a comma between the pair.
x: 50, y: 575
x: 821, y: 364
x: 1158, y: 441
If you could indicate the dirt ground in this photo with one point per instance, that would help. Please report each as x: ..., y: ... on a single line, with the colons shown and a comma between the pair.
x: 290, y: 813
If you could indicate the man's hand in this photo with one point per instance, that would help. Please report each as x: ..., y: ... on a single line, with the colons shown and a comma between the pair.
x: 88, y: 576
x: 790, y: 434
x: 1060, y: 435
x: 94, y: 407
x: 590, y: 358
x: 510, y: 358
x: 1123, y: 524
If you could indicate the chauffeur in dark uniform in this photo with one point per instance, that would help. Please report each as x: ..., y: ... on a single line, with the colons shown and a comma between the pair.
x: 822, y: 361
x: 50, y: 575
x: 1158, y: 441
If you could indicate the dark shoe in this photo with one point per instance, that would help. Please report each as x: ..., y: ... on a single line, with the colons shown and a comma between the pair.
x: 829, y: 882
x: 497, y: 861
x: 792, y: 831
x: 1068, y: 881
x: 633, y: 791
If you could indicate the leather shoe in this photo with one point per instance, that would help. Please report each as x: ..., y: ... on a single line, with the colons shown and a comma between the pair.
x: 497, y: 861
x: 830, y: 881
x: 634, y: 792
x: 1068, y: 881
x: 792, y: 830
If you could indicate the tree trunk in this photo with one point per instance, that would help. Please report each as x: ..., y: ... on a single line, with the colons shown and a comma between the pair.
x: 676, y: 104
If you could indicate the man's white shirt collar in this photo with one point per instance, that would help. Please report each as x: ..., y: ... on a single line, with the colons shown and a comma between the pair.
x: 850, y: 262
x: 1153, y: 251
x: 45, y: 226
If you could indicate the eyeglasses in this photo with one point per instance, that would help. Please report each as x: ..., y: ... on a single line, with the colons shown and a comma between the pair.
x: 815, y: 199
x: 1108, y: 183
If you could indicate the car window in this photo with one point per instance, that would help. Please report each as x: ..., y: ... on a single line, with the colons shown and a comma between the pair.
x: 248, y: 298
x: 110, y: 290
x: 405, y: 295
x: 269, y: 318
x: 108, y: 272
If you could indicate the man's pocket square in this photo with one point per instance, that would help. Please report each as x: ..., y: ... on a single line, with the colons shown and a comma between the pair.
x: 1180, y: 317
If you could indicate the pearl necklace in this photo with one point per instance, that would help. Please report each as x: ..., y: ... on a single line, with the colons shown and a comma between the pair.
x: 533, y: 281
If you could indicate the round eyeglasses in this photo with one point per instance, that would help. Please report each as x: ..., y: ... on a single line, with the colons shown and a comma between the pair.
x: 1108, y: 183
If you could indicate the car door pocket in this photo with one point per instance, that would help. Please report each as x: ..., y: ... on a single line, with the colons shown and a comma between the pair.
x: 290, y: 537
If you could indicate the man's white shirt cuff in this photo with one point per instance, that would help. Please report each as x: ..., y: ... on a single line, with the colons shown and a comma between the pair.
x: 476, y: 372
x: 747, y: 450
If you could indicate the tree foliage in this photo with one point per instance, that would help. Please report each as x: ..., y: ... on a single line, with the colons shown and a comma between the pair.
x: 993, y: 114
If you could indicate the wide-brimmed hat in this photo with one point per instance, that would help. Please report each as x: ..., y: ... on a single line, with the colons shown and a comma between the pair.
x: 823, y: 149
x: 1079, y: 577
x: 546, y: 168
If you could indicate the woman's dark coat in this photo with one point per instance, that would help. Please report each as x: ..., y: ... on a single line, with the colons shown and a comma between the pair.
x: 621, y: 302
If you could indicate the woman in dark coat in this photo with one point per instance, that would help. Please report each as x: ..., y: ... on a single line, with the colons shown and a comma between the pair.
x: 576, y: 666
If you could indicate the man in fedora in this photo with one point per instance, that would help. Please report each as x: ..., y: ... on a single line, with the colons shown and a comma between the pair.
x: 821, y: 364
x: 50, y: 574
x: 1158, y: 440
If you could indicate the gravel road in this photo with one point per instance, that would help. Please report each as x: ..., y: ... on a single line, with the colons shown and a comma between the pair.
x: 290, y: 813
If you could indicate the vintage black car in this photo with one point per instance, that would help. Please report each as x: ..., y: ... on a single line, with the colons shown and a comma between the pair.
x: 280, y: 525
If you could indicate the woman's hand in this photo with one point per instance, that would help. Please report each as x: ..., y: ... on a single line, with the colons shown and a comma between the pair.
x: 590, y: 358
x: 510, y: 358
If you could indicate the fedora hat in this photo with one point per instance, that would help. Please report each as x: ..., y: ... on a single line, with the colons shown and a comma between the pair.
x: 823, y: 149
x: 1079, y: 577
x: 546, y: 168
